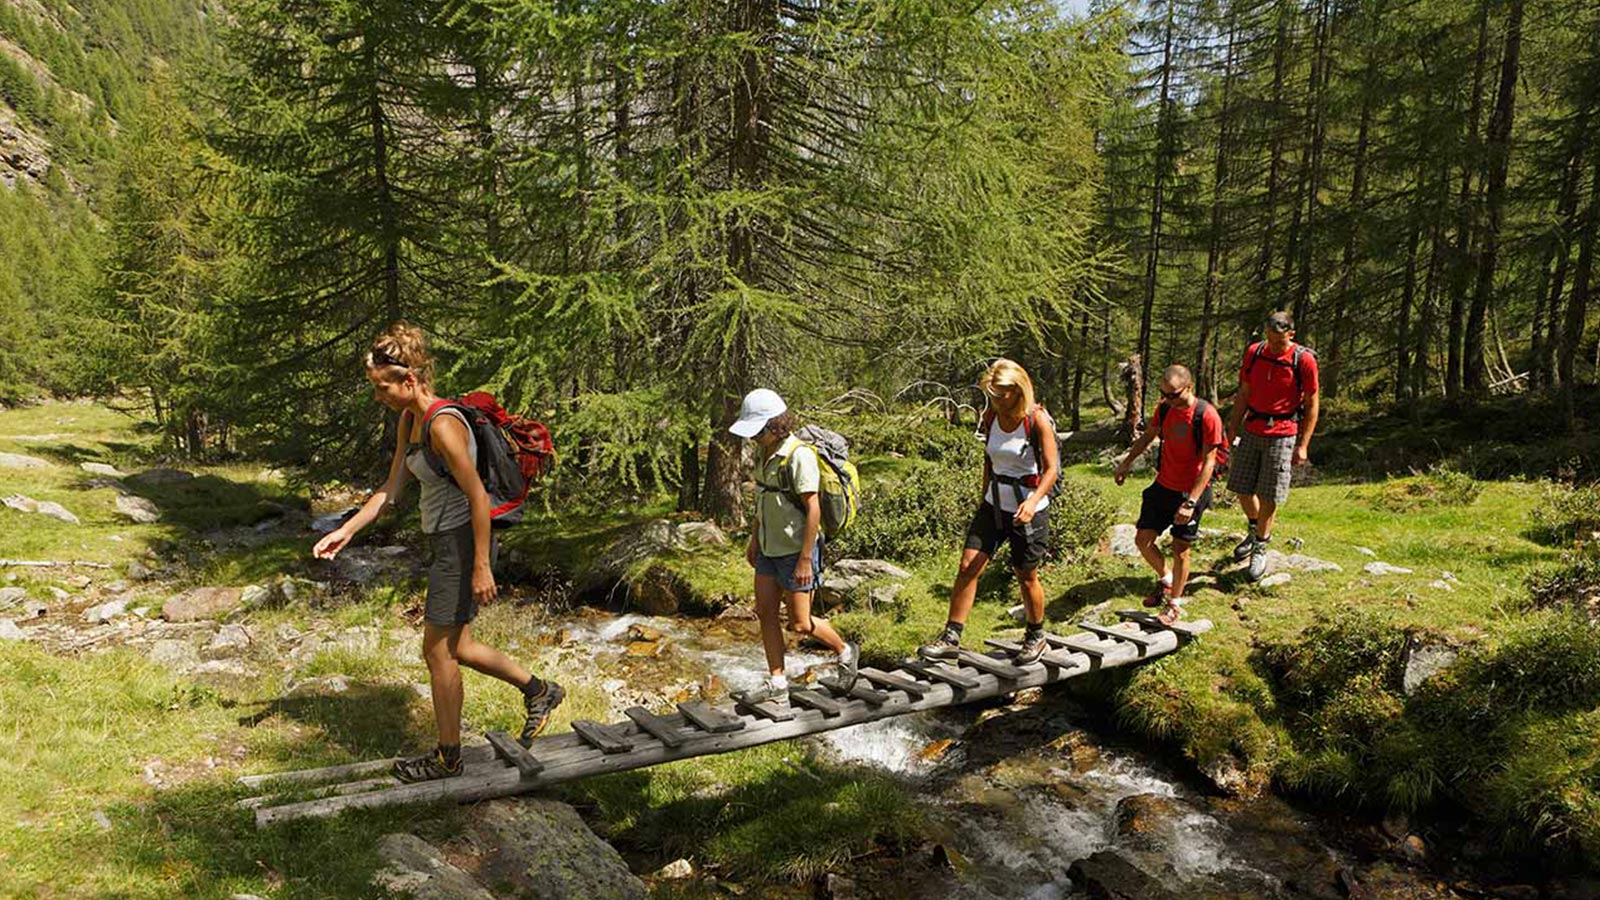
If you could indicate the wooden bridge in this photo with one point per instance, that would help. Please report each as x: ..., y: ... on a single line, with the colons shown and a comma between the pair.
x: 502, y: 767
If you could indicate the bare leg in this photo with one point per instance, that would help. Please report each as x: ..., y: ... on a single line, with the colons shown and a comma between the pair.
x: 1180, y: 567
x: 1251, y: 505
x: 768, y: 599
x: 481, y: 657
x: 1145, y: 540
x: 966, y: 586
x: 1032, y: 595
x: 802, y: 622
x: 1269, y: 514
x: 444, y: 676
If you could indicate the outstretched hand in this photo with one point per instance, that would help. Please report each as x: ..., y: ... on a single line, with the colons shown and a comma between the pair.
x: 331, y: 544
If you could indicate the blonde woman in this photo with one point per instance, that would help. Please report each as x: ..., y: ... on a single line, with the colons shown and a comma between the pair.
x: 455, y: 517
x: 1020, y: 468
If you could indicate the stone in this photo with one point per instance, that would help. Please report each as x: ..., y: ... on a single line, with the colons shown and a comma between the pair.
x: 838, y: 887
x: 31, y: 609
x: 884, y: 595
x: 1414, y: 849
x: 254, y: 595
x: 105, y: 612
x: 641, y: 632
x: 20, y: 461
x: 138, y: 571
x: 542, y: 848
x: 58, y: 593
x: 847, y: 576
x: 138, y: 509
x: 329, y: 521
x: 287, y: 634
x: 672, y: 871
x: 175, y: 655
x: 49, y: 508
x: 1441, y: 585
x: 162, y: 475
x: 1017, y: 613
x: 1276, y: 579
x: 109, y: 471
x: 101, y: 820
x: 1422, y: 663
x: 1142, y: 820
x: 201, y: 603
x: 659, y: 591
x: 118, y: 587
x: 702, y: 533
x: 413, y: 868
x: 322, y: 684
x: 10, y: 632
x: 229, y: 640
x: 644, y: 649
x: 1367, y: 551
x: 78, y: 582
x: 1230, y: 776
x: 1107, y: 875
x: 355, y: 641
x: 1383, y: 568
x: 936, y: 750
x: 1119, y: 541
x: 1298, y: 562
x: 11, y: 596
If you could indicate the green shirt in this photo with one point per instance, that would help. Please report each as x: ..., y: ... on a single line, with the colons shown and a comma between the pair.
x: 780, y: 524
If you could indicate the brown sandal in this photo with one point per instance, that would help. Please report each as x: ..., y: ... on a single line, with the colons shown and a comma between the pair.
x: 1171, y: 614
x: 1156, y: 596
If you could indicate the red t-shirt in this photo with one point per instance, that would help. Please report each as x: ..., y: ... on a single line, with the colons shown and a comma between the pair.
x: 1181, y: 460
x: 1272, y: 387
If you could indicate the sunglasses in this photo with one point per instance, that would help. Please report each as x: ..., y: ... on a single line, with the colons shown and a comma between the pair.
x: 1171, y: 395
x: 1281, y: 327
x: 383, y: 359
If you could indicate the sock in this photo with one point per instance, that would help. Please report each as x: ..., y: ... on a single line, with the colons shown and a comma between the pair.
x: 1252, y: 526
x: 451, y: 754
x: 954, y: 628
x: 1266, y: 538
x: 1166, y: 579
x: 781, y: 682
x: 1033, y: 630
x: 534, y: 687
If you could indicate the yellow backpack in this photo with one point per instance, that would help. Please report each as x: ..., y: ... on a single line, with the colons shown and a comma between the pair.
x: 839, y: 490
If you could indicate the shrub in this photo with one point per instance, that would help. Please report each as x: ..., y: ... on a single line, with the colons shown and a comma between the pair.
x: 1334, y: 652
x: 1565, y: 514
x: 918, y: 512
x: 913, y: 436
x: 1572, y: 585
x: 1079, y: 517
x: 1441, y: 487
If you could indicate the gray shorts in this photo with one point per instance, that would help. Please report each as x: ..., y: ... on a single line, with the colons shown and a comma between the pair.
x: 1261, y: 466
x: 450, y: 602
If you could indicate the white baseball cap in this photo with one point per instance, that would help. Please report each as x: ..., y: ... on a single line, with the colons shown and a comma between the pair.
x: 759, y: 405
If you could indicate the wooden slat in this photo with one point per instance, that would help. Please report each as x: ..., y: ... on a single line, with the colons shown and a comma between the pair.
x: 709, y: 718
x: 1061, y: 659
x: 1119, y: 634
x: 895, y: 681
x: 992, y: 666
x: 661, y: 729
x: 330, y: 790
x: 605, y: 738
x: 816, y: 700
x: 857, y: 691
x: 766, y: 709
x: 1180, y: 627
x: 942, y: 673
x: 1081, y: 643
x: 514, y: 753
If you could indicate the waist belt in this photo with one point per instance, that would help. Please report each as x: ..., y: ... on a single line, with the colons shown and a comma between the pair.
x: 1254, y: 415
x: 1016, y: 483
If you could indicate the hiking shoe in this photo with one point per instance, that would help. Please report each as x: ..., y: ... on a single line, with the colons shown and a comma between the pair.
x: 1032, y: 650
x: 766, y: 693
x: 849, y: 664
x: 539, y: 707
x: 1157, y: 595
x: 1244, y: 547
x: 946, y: 646
x: 427, y: 767
x: 1258, y: 562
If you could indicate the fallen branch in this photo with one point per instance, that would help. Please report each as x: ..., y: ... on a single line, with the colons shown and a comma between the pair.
x: 51, y: 563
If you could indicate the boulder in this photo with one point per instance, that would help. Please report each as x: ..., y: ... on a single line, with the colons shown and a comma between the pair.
x: 542, y: 850
x: 255, y: 595
x: 138, y: 571
x: 49, y: 508
x: 109, y: 471
x: 105, y: 612
x: 201, y: 603
x: 672, y: 871
x: 1229, y: 775
x: 702, y: 533
x: 175, y: 655
x: 137, y: 509
x: 1108, y: 876
x: 161, y: 475
x: 1276, y: 579
x: 1423, y: 662
x: 845, y: 577
x: 1145, y: 821
x: 10, y: 632
x: 1298, y: 562
x: 1119, y: 541
x: 659, y: 591
x: 230, y: 640
x: 11, y: 596
x: 1383, y: 568
x: 413, y: 868
x: 19, y: 461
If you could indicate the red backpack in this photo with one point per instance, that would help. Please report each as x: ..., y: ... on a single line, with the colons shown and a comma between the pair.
x: 513, y: 452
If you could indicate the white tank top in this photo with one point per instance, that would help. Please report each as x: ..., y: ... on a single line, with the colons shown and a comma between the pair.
x: 1011, y: 455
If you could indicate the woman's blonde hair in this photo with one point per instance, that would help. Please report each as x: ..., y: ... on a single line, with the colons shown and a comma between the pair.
x: 402, y: 347
x: 1005, y: 373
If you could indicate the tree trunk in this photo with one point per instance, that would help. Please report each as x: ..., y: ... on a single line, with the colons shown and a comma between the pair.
x: 1334, y: 379
x: 1465, y: 212
x: 1165, y: 157
x: 1219, y: 184
x: 1578, y: 305
x: 1499, y: 160
x: 1079, y: 360
x: 1112, y: 402
x: 1280, y: 52
x: 1315, y: 113
x: 1567, y: 225
x: 1133, y: 404
x: 377, y: 121
x: 1408, y: 291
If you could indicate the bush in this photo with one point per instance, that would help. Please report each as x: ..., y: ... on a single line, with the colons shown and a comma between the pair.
x: 1565, y: 514
x: 1334, y: 652
x: 913, y: 436
x: 1079, y: 517
x: 1441, y: 487
x: 1574, y: 585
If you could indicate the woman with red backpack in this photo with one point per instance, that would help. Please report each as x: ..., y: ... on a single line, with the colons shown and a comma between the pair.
x: 455, y: 510
x: 1020, y: 468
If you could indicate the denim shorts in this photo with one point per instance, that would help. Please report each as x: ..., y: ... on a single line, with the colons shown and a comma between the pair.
x: 782, y: 568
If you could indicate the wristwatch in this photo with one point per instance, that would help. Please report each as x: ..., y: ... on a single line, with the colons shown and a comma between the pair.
x: 1186, y: 504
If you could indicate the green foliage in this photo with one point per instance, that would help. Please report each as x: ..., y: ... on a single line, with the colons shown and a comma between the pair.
x: 1566, y: 513
x: 915, y: 511
x: 1079, y: 517
x: 1573, y: 584
x: 633, y: 440
x: 1335, y: 652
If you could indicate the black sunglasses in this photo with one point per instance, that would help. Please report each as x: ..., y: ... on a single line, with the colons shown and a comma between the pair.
x: 1171, y: 395
x: 383, y: 359
x: 1280, y: 327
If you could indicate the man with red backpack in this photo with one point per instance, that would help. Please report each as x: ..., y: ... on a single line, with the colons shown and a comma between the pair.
x: 1277, y: 406
x: 1190, y: 431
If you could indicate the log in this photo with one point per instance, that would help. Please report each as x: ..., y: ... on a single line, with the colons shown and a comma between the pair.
x: 662, y: 729
x: 514, y: 753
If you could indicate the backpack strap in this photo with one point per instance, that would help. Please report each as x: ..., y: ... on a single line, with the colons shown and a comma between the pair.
x: 435, y: 461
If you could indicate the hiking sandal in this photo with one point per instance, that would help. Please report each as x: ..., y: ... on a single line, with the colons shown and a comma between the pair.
x: 427, y: 767
x: 1171, y: 614
x: 1156, y: 596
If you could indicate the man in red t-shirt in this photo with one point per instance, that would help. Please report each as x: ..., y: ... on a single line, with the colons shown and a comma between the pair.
x: 1277, y: 407
x: 1190, y: 430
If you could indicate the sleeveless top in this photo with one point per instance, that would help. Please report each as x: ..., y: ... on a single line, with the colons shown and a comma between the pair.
x: 443, y: 506
x: 1011, y: 455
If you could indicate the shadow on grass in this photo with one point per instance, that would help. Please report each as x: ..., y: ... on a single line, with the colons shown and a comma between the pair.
x: 367, y: 721
x: 1092, y: 592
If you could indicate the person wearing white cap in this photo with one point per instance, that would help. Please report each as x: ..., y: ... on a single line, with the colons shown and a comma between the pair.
x: 785, y: 546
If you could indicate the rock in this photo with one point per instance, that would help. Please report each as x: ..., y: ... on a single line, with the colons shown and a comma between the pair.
x: 10, y: 632
x: 1119, y: 541
x: 702, y: 533
x: 118, y: 587
x: 838, y: 887
x: 1276, y: 579
x: 1396, y: 826
x: 161, y: 475
x: 413, y: 868
x: 31, y: 609
x: 101, y: 820
x: 19, y: 461
x: 1440, y: 584
x: 322, y: 684
x: 105, y: 612
x: 672, y: 871
x: 1143, y: 819
x: 640, y: 632
x: 542, y: 849
x: 138, y: 571
x: 287, y: 634
x: 644, y: 649
x: 1017, y: 613
x: 1383, y: 568
x: 355, y: 641
x: 229, y: 640
x: 138, y: 509
x: 660, y: 591
x: 1422, y: 663
x: 329, y: 521
x: 1230, y: 776
x: 246, y: 897
x: 1298, y: 562
x: 1108, y: 876
x: 58, y: 593
x: 847, y: 576
x: 78, y: 582
x: 94, y: 468
x: 175, y: 655
x: 11, y: 596
x: 1367, y: 551
x: 254, y: 595
x: 366, y: 565
x: 936, y: 750
x: 884, y: 595
x: 201, y: 603
x: 49, y: 508
x: 1414, y: 849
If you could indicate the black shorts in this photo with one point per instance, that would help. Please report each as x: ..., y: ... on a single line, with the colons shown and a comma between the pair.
x: 1161, y: 504
x: 450, y: 601
x: 1029, y: 543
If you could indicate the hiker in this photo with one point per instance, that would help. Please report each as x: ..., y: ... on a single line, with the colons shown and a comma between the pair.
x: 455, y: 513
x: 785, y: 546
x: 1277, y: 405
x: 1020, y: 468
x: 1190, y: 431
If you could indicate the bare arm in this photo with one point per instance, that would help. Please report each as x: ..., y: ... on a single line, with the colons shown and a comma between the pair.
x: 393, y: 487
x: 449, y: 439
x: 1140, y: 445
x: 1312, y: 404
x: 1241, y: 403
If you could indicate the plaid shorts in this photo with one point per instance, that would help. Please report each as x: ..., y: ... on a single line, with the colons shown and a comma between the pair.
x: 1261, y: 465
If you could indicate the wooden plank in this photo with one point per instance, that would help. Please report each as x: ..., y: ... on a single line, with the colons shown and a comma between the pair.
x: 708, y: 718
x: 476, y: 753
x: 605, y: 738
x: 942, y: 673
x: 330, y: 790
x: 816, y: 700
x: 514, y: 753
x: 1061, y: 659
x: 1180, y: 627
x: 766, y: 709
x: 991, y: 665
x: 657, y: 727
x: 1081, y: 643
x: 1118, y: 634
x: 857, y: 691
x: 895, y: 681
